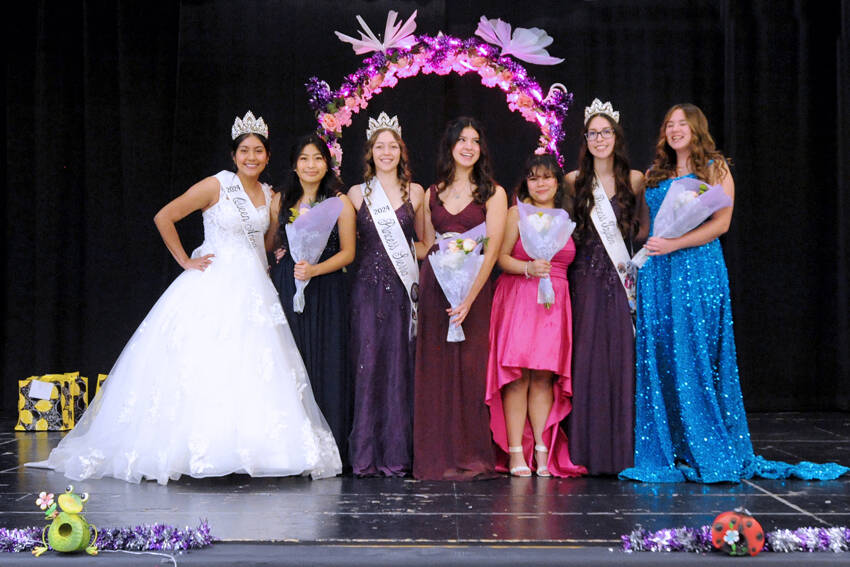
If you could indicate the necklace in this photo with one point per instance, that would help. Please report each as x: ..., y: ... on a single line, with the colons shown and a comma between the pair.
x: 456, y: 193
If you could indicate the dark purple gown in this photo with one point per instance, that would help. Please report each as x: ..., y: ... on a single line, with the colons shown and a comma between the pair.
x: 452, y: 438
x: 601, y: 426
x: 382, y: 353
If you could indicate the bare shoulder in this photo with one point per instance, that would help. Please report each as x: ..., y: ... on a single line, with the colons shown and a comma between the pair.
x: 355, y: 196
x: 416, y: 190
x: 571, y: 177
x: 637, y: 180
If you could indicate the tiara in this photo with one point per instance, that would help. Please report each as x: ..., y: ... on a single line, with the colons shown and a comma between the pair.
x: 249, y: 125
x: 596, y: 107
x: 384, y: 122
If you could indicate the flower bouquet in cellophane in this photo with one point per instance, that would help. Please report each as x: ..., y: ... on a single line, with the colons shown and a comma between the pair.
x: 308, y: 234
x: 455, y: 265
x: 688, y: 202
x: 544, y: 232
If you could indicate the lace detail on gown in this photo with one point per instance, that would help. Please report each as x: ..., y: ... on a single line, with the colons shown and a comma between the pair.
x: 211, y: 383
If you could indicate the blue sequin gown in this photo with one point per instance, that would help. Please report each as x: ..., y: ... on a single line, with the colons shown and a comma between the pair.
x: 690, y: 422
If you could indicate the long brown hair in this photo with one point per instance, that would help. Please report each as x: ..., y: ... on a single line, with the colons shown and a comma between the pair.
x: 402, y: 169
x: 629, y: 223
x: 481, y: 175
x: 707, y: 161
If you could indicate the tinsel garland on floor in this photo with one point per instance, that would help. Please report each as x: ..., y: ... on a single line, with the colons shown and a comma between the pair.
x: 698, y: 540
x: 149, y: 537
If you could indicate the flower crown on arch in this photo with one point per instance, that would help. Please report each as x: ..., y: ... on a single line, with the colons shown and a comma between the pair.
x: 401, y: 54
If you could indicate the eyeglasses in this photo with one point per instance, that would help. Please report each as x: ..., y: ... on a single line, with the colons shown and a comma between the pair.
x: 605, y: 133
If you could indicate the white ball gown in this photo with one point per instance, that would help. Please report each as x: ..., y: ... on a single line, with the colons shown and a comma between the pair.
x: 211, y: 383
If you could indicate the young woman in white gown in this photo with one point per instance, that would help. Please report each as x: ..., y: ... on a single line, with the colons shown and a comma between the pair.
x: 211, y: 383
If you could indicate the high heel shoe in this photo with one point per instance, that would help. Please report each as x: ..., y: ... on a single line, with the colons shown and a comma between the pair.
x: 542, y: 469
x: 522, y: 470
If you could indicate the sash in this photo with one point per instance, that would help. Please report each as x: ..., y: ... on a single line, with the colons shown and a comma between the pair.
x: 605, y: 221
x: 400, y: 252
x: 248, y: 214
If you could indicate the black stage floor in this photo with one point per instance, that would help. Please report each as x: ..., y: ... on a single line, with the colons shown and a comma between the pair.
x: 350, y: 521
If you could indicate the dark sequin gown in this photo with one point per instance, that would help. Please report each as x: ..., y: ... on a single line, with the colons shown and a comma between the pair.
x: 382, y: 354
x: 321, y: 334
x: 451, y: 436
x: 690, y: 422
x: 601, y: 426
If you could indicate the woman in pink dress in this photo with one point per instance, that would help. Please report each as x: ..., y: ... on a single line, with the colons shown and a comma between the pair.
x: 528, y: 372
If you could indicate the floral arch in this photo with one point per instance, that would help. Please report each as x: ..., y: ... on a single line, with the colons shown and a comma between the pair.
x: 401, y: 55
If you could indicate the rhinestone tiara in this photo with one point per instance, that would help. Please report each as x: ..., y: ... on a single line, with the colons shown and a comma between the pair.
x: 384, y: 122
x: 596, y: 107
x: 249, y: 125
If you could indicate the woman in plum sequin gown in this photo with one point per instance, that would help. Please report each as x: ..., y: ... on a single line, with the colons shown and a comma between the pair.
x: 601, y: 426
x: 528, y: 372
x: 690, y: 418
x: 451, y: 437
x: 321, y: 329
x: 381, y: 441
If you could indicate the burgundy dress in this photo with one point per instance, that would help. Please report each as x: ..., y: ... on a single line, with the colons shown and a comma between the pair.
x: 382, y: 353
x: 601, y: 426
x: 451, y: 424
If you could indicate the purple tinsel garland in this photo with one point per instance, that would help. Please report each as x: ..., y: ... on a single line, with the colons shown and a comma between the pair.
x: 149, y: 537
x: 698, y: 540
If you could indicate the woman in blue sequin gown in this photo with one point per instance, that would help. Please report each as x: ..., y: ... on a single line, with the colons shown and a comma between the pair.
x: 690, y: 422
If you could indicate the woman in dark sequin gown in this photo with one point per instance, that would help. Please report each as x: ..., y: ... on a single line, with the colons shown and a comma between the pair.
x: 382, y: 348
x: 601, y: 425
x: 321, y: 330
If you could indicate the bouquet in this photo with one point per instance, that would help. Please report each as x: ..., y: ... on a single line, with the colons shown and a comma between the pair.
x: 686, y: 205
x: 308, y: 235
x: 456, y: 264
x: 544, y: 232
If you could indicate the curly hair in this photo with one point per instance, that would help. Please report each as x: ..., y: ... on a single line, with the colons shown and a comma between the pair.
x: 629, y: 223
x: 707, y: 161
x: 481, y: 175
x: 402, y: 170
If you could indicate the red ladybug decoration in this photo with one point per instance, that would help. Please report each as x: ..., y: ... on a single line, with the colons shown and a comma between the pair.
x: 737, y: 533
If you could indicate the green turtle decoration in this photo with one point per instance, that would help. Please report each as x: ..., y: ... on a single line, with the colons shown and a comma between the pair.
x: 69, y: 531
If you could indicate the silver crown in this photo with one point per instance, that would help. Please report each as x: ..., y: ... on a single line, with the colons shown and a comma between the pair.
x: 596, y: 107
x: 249, y: 125
x: 384, y: 122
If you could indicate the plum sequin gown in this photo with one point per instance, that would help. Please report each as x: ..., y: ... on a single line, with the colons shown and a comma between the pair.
x: 690, y: 422
x: 382, y: 351
x: 601, y: 426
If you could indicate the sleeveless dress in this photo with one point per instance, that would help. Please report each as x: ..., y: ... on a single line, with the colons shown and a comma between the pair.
x: 690, y: 418
x: 211, y: 383
x: 451, y: 425
x: 601, y: 426
x: 382, y: 354
x: 524, y: 334
x: 321, y: 334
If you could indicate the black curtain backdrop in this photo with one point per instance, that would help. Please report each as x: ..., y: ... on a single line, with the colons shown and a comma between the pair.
x: 114, y: 108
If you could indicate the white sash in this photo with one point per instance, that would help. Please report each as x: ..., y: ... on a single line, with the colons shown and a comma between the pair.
x: 248, y: 214
x: 399, y: 251
x: 605, y: 221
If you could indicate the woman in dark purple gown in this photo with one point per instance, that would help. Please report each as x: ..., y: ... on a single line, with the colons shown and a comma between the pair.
x: 382, y: 343
x: 451, y: 439
x: 601, y: 426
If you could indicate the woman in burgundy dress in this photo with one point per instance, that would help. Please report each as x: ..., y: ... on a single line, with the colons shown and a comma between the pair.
x: 601, y: 426
x: 382, y: 343
x: 451, y: 424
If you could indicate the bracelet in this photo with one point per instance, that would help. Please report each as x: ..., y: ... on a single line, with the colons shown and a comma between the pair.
x: 526, y: 271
